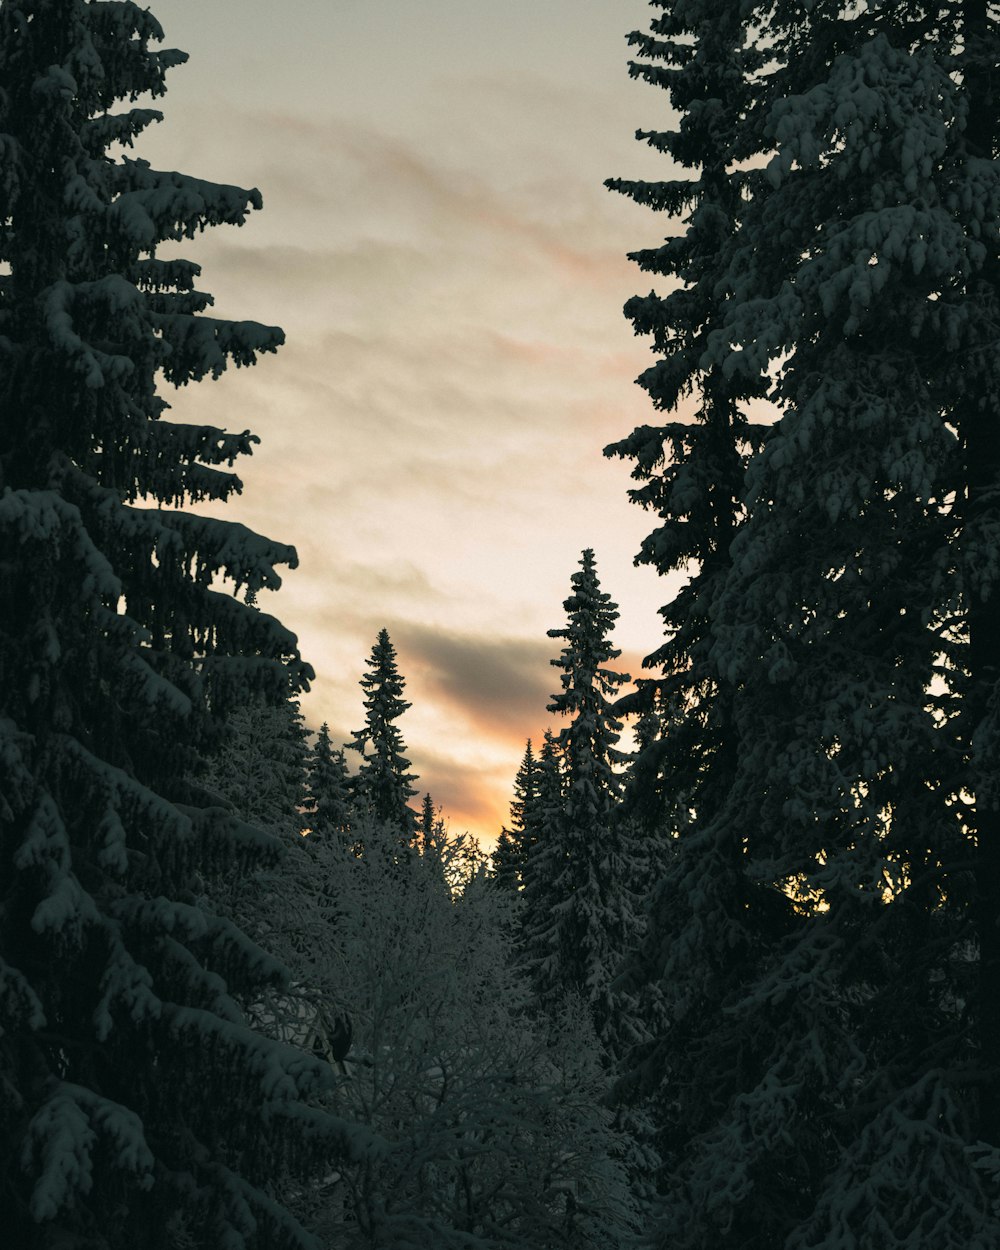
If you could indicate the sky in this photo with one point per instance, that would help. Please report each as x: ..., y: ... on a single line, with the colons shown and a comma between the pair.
x: 450, y: 272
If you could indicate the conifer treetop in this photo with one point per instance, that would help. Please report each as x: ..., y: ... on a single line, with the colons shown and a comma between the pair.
x: 382, y: 785
x: 588, y: 741
x: 513, y: 844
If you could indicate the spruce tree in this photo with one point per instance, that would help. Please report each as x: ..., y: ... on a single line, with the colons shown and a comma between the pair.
x: 381, y: 787
x: 541, y: 813
x: 691, y: 469
x: 136, y: 1106
x: 504, y: 862
x: 326, y: 812
x: 707, y: 919
x: 578, y: 880
x: 430, y: 834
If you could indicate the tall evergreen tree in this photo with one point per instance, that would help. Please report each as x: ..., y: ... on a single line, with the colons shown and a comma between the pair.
x: 382, y: 784
x: 850, y: 1102
x: 136, y: 1106
x: 691, y: 469
x: 707, y: 920
x: 326, y: 812
x: 579, y: 922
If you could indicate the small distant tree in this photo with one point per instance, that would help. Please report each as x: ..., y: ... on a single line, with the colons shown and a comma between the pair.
x: 544, y: 807
x: 542, y: 813
x: 513, y: 845
x: 505, y: 862
x: 589, y: 740
x: 381, y: 787
x: 428, y: 819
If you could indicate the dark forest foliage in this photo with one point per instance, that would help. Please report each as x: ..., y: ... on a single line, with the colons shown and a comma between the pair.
x: 738, y: 989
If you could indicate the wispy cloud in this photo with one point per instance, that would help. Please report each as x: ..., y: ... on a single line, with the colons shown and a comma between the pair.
x: 497, y: 686
x: 450, y: 276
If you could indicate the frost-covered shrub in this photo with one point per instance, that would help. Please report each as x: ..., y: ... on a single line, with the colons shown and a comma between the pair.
x: 493, y: 1129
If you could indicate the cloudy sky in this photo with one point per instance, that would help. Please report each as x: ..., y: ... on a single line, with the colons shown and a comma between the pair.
x: 450, y: 272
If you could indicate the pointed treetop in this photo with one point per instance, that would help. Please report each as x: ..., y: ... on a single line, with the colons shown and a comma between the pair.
x: 588, y: 741
x: 525, y: 790
x: 512, y: 846
x: 428, y: 819
x: 382, y: 786
x: 579, y: 881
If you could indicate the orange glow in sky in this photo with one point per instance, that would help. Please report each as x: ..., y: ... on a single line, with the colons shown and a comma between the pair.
x: 450, y: 272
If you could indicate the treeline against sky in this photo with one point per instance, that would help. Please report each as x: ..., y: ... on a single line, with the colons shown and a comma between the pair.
x: 739, y: 990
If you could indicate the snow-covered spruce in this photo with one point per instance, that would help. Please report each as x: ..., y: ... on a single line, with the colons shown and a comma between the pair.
x: 704, y: 914
x: 861, y: 594
x: 136, y: 1105
x: 816, y: 952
